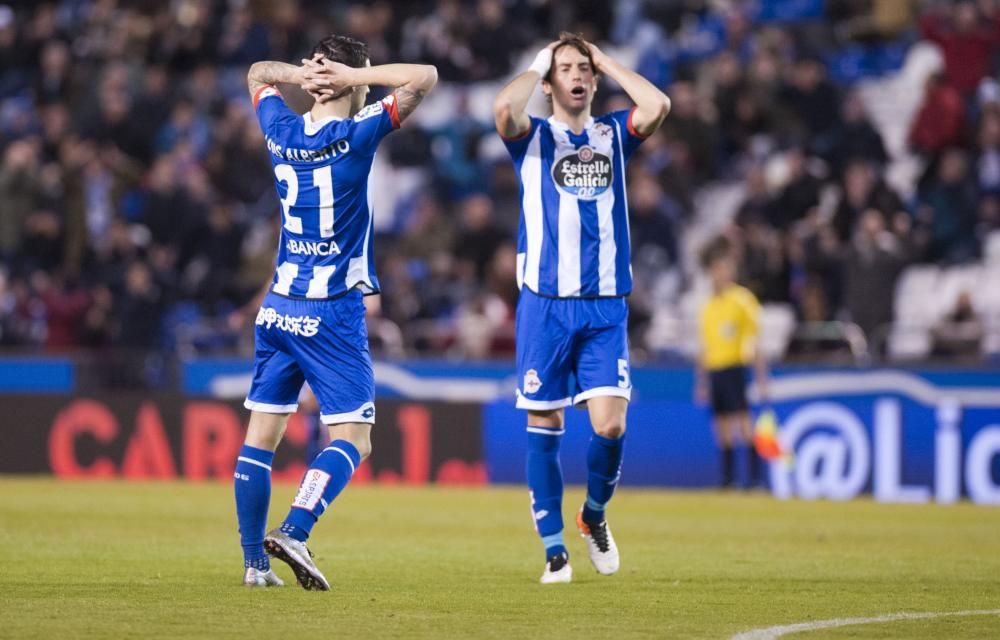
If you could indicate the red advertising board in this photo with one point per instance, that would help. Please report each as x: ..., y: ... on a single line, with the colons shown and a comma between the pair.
x: 169, y: 436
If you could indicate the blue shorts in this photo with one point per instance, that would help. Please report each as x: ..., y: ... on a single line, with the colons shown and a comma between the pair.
x: 570, y: 350
x: 324, y: 342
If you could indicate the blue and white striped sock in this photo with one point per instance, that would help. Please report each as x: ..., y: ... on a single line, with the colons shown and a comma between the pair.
x: 324, y: 480
x: 252, y: 486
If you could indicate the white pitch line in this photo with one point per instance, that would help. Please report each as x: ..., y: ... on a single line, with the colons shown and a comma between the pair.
x: 770, y: 633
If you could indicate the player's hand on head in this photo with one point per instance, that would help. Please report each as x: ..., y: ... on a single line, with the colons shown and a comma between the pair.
x: 316, y: 80
x: 596, y: 53
x: 334, y: 76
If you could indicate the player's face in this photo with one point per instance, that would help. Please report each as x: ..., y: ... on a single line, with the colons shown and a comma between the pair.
x: 573, y: 80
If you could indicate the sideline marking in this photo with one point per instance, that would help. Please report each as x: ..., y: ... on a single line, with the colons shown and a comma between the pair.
x: 770, y: 633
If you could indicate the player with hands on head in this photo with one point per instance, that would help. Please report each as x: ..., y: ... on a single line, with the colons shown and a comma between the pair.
x: 311, y: 322
x: 573, y: 273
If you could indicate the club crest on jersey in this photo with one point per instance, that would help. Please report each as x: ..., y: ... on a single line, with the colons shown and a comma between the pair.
x: 585, y: 174
x: 532, y: 383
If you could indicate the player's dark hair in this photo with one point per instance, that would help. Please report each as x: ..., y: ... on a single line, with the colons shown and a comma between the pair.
x: 342, y: 49
x: 575, y: 40
x: 717, y: 248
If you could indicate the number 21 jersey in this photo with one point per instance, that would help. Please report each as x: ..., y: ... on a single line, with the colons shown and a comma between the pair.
x: 321, y: 172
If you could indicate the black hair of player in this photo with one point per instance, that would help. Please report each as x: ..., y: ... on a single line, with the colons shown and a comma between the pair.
x: 575, y: 40
x: 717, y: 248
x: 342, y: 49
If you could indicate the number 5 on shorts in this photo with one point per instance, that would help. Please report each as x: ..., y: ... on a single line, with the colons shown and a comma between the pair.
x: 623, y: 378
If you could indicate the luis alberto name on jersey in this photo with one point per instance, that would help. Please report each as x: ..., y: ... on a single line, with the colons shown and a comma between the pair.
x: 321, y: 171
x: 573, y: 237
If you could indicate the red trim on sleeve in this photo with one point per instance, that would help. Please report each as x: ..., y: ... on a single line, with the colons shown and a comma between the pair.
x: 391, y: 104
x: 520, y: 136
x: 631, y: 129
x: 257, y: 96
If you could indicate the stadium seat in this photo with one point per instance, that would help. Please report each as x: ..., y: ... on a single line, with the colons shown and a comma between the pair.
x: 991, y: 249
x: 777, y: 322
x: 914, y: 300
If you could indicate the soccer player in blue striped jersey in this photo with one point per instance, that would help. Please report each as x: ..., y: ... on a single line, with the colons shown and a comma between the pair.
x: 311, y: 324
x: 573, y: 273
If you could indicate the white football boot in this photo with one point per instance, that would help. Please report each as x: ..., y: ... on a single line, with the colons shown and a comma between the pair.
x: 600, y: 544
x: 257, y: 578
x: 298, y: 557
x: 557, y: 570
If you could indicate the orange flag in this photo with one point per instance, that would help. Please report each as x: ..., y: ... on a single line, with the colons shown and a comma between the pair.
x: 765, y: 438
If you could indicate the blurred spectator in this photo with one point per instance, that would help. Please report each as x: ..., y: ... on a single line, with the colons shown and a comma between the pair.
x: 135, y: 180
x: 455, y: 147
x: 812, y: 99
x: 855, y: 138
x: 491, y: 28
x: 476, y: 323
x: 960, y: 333
x: 873, y: 262
x: 428, y: 232
x: 211, y: 256
x: 988, y: 153
x: 688, y: 126
x: 54, y: 83
x: 64, y: 303
x: 762, y: 267
x: 947, y: 211
x: 862, y: 190
x: 799, y: 194
x: 940, y: 123
x: 139, y: 313
x: 20, y: 192
x: 968, y: 35
x: 478, y: 238
x: 654, y: 216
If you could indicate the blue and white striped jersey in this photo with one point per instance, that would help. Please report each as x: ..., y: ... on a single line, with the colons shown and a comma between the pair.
x: 573, y: 240
x: 321, y: 171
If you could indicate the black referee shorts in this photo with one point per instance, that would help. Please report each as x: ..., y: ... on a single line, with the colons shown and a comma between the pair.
x: 729, y: 390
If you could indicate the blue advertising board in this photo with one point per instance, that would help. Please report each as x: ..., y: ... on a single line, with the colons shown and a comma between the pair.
x: 901, y: 435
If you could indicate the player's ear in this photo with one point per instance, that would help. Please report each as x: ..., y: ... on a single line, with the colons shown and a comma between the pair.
x: 546, y: 87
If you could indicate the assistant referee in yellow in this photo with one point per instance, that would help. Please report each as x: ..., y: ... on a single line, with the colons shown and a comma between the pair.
x: 728, y: 326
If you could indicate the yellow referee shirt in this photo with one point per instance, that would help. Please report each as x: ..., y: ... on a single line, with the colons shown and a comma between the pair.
x: 727, y: 326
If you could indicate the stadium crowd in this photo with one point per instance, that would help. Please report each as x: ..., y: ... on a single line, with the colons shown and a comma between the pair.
x: 137, y: 207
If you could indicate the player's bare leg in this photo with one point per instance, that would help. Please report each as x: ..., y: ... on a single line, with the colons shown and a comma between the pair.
x: 252, y: 481
x: 607, y: 417
x: 545, y: 474
x: 350, y: 444
x: 266, y: 430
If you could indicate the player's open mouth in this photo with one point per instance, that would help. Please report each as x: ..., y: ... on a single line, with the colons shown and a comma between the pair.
x: 578, y: 92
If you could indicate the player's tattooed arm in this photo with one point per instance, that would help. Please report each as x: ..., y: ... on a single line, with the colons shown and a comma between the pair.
x: 652, y: 105
x: 268, y: 72
x: 410, y: 82
x: 407, y: 100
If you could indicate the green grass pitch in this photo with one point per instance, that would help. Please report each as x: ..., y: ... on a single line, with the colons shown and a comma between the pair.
x: 115, y: 560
